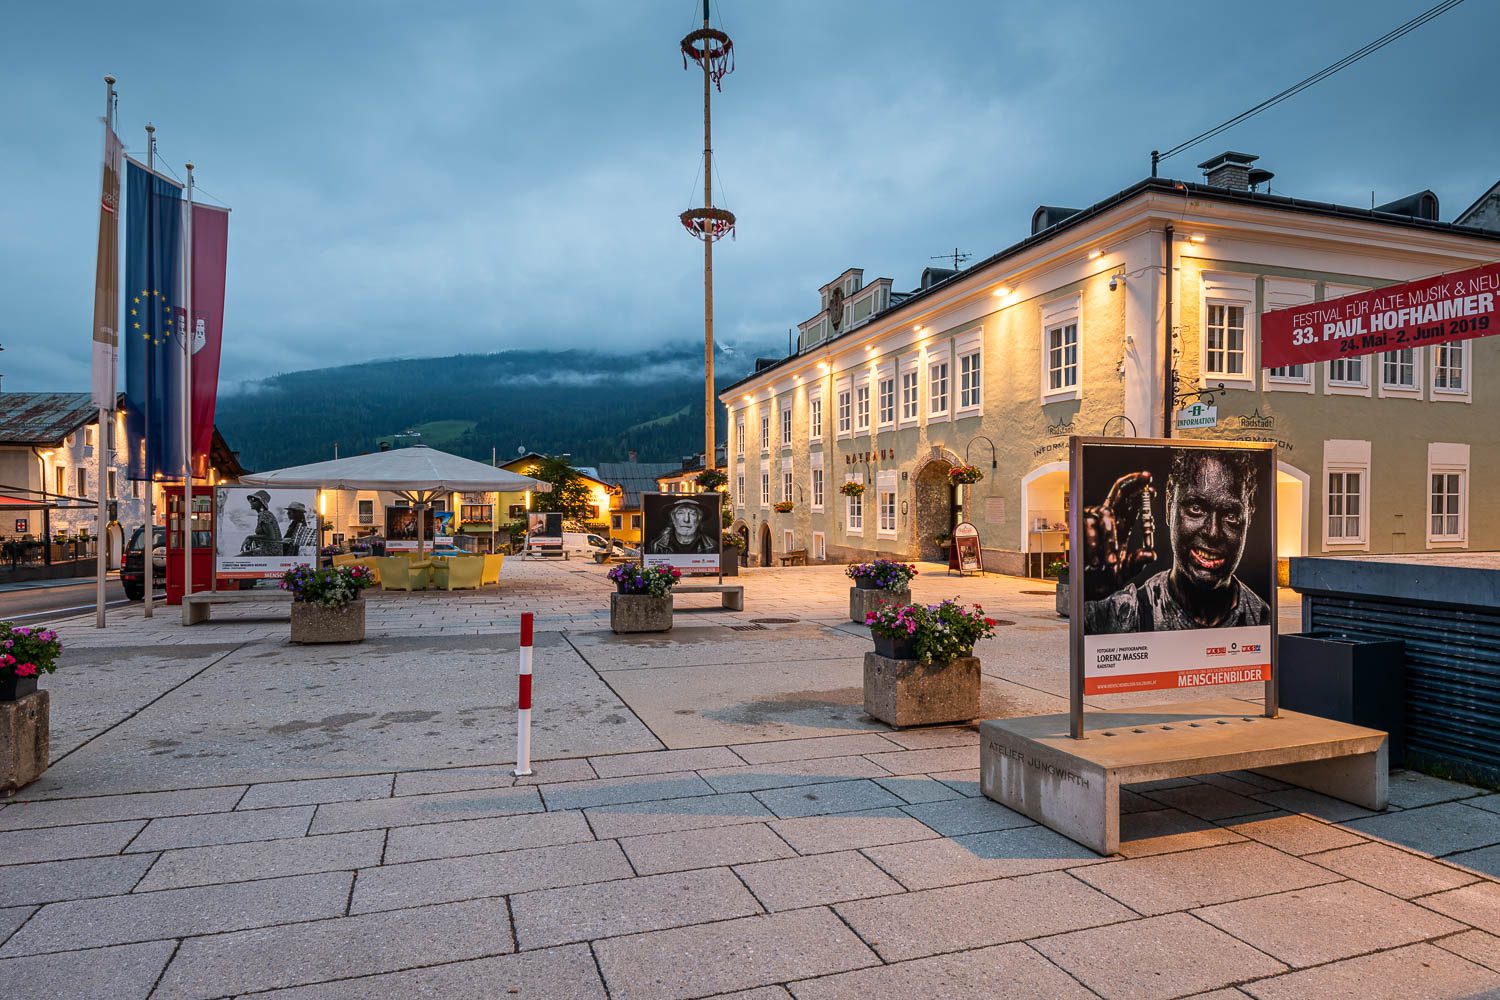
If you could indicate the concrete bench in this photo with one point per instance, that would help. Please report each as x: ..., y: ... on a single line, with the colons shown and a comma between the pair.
x: 198, y: 604
x: 732, y: 595
x: 1031, y: 765
x: 796, y: 557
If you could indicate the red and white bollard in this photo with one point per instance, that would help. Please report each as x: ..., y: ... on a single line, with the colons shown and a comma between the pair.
x: 523, y: 702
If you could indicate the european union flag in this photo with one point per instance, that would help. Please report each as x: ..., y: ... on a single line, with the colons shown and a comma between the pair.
x: 150, y: 321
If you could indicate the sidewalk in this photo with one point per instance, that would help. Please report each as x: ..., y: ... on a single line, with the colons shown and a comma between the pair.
x: 713, y: 816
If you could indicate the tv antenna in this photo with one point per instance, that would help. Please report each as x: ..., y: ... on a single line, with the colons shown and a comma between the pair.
x: 956, y: 255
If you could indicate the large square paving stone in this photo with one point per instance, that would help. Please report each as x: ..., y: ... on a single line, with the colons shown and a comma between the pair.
x: 53, y: 881
x: 979, y: 857
x: 1477, y: 904
x: 321, y: 950
x: 736, y: 954
x: 411, y: 810
x: 1009, y: 970
x: 656, y: 853
x: 1157, y: 958
x: 335, y: 852
x: 1419, y: 970
x: 972, y: 916
x: 635, y: 788
x: 1436, y: 830
x: 1392, y: 870
x: 1327, y: 922
x: 786, y: 774
x: 392, y: 887
x: 314, y: 791
x: 1167, y: 882
x: 104, y: 808
x: 123, y: 972
x: 223, y: 828
x: 819, y: 800
x: 11, y: 918
x: 634, y: 819
x: 64, y: 842
x: 851, y: 831
x: 816, y: 880
x: 484, y: 836
x: 149, y: 916
x: 581, y: 913
x: 555, y: 974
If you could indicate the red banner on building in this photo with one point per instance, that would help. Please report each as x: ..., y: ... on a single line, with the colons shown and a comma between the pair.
x: 1442, y: 309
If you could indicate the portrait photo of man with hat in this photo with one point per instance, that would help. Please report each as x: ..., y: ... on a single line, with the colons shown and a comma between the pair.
x: 682, y: 526
x: 265, y: 540
x: 301, y: 537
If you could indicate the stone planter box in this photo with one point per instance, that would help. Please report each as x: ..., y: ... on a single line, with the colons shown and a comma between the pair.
x: 729, y: 562
x: 640, y: 613
x: 906, y: 693
x: 25, y: 739
x: 313, y: 623
x: 862, y: 601
x: 1064, y: 599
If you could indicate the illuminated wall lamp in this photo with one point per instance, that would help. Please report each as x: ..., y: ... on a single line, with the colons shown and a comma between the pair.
x: 1001, y: 292
x: 1095, y: 254
x: 1197, y: 237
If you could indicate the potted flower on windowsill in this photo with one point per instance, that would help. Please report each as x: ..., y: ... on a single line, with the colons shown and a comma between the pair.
x: 965, y: 475
x: 642, y: 601
x: 25, y: 710
x: 878, y: 584
x: 923, y: 669
x: 783, y: 506
x: 326, y: 605
x: 1058, y: 570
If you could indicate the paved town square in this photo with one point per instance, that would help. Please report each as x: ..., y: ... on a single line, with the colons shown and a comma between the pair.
x: 711, y: 815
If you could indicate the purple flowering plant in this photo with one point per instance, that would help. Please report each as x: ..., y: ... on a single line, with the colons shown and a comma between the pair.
x: 941, y: 632
x: 657, y: 581
x: 332, y: 588
x: 887, y: 573
x: 27, y: 651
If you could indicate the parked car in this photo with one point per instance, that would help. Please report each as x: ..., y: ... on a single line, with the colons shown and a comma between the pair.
x: 133, y: 566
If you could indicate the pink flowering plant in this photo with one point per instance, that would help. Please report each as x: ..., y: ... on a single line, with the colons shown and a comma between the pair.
x: 27, y: 651
x: 965, y: 475
x: 887, y: 574
x: 657, y: 581
x: 940, y: 632
x: 332, y: 588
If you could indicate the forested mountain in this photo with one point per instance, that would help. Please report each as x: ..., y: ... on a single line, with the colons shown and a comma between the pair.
x: 597, y: 407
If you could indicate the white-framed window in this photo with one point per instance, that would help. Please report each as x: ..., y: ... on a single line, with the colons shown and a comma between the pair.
x: 937, y: 389
x: 854, y: 508
x: 788, y: 540
x: 862, y: 406
x: 616, y: 522
x: 1346, y: 496
x: 1227, y: 325
x: 786, y: 424
x: 62, y: 481
x: 1450, y: 370
x: 844, y: 412
x: 88, y: 437
x: 909, y: 395
x: 765, y: 430
x: 366, y: 511
x: 739, y: 490
x: 1401, y: 373
x: 819, y: 546
x: 817, y: 487
x: 786, y: 479
x: 1347, y: 372
x: 739, y: 436
x: 1226, y: 351
x: 887, y: 401
x: 815, y: 417
x: 885, y: 503
x: 1346, y: 505
x: 765, y: 488
x: 1446, y: 506
x: 969, y: 381
x: 1286, y: 293
x: 83, y: 482
x: 1062, y: 349
x: 1447, y: 494
x: 1062, y: 357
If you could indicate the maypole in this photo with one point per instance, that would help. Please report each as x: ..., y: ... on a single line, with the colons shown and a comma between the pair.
x: 712, y: 50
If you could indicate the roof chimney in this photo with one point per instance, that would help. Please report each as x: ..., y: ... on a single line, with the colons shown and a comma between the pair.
x: 1228, y: 170
x: 632, y: 455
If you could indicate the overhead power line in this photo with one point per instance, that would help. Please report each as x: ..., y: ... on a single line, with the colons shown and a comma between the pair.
x: 1320, y: 75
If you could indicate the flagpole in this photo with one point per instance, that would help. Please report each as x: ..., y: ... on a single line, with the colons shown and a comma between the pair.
x: 106, y: 423
x: 187, y: 334
x: 148, y: 533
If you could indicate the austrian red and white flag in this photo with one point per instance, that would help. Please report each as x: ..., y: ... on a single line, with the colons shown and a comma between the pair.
x: 210, y: 261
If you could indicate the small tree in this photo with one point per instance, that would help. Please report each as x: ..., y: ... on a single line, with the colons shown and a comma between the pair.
x: 569, y: 495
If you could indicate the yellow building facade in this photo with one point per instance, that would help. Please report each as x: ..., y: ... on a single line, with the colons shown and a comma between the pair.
x: 1109, y: 320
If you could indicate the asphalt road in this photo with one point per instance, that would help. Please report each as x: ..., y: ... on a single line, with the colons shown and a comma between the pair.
x: 40, y: 603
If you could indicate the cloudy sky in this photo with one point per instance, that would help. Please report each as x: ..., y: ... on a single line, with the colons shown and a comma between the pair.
x: 426, y: 179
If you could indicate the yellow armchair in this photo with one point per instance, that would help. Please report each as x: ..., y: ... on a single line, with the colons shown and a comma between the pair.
x: 458, y: 573
x: 492, y: 566
x: 400, y: 573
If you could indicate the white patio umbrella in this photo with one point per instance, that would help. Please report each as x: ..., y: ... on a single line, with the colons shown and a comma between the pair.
x: 418, y: 475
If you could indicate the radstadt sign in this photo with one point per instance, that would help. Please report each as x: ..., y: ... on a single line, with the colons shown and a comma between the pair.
x: 1437, y: 310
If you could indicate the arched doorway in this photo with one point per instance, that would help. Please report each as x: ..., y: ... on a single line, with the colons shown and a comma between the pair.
x: 742, y: 532
x: 1044, y: 516
x: 1291, y: 517
x: 936, y: 506
x: 765, y: 545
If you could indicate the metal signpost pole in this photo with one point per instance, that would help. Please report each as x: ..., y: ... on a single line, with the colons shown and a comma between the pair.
x: 1075, y: 587
x: 148, y: 533
x: 106, y: 414
x: 186, y: 332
